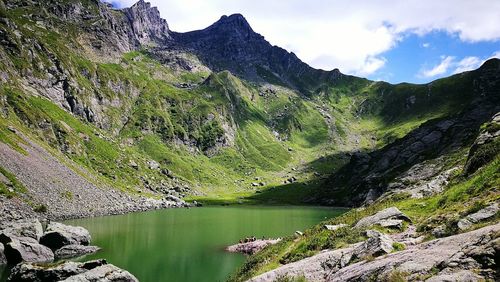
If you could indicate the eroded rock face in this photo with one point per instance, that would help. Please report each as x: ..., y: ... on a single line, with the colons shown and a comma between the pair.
x: 147, y: 25
x: 58, y: 235
x: 97, y: 270
x: 19, y: 249
x: 71, y: 251
x: 486, y: 147
x: 382, y: 218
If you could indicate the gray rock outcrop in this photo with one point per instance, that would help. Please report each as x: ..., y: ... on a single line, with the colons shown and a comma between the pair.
x: 24, y: 228
x: 98, y: 270
x: 58, y: 235
x: 315, y: 268
x: 382, y: 217
x: 376, y: 245
x: 27, y: 249
x: 147, y: 25
x: 479, y: 216
x: 71, y: 251
x: 473, y: 254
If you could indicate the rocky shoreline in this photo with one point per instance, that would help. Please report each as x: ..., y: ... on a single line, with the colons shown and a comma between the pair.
x: 15, y: 209
x: 56, y: 191
x: 32, y: 250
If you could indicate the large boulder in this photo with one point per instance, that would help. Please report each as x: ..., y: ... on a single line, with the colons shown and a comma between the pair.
x: 106, y: 272
x: 97, y: 270
x: 3, y: 259
x: 24, y: 228
x: 377, y: 244
x: 25, y: 249
x: 479, y: 216
x: 71, y: 251
x: 58, y: 235
x: 381, y: 218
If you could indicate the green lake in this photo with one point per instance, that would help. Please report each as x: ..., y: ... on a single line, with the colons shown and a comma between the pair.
x: 188, y: 244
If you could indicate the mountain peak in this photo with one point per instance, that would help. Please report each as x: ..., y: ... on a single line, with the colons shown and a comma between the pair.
x: 234, y: 21
x: 147, y: 23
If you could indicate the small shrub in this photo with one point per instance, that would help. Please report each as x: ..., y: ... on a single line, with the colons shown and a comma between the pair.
x: 286, y: 278
x: 67, y: 195
x: 477, y: 206
x: 397, y: 276
x: 41, y: 208
x: 398, y: 246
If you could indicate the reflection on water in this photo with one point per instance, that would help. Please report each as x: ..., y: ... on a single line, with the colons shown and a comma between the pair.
x: 187, y: 244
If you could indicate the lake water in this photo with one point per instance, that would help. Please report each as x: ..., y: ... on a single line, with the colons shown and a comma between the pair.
x: 188, y: 244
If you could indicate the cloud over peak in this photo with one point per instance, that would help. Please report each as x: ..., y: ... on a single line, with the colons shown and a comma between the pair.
x: 350, y: 35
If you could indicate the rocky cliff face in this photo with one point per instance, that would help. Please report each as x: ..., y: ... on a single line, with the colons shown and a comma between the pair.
x: 147, y: 25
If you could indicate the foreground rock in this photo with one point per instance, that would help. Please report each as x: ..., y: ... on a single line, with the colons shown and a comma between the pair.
x: 473, y: 254
x: 251, y: 248
x: 27, y: 249
x: 388, y: 217
x: 72, y: 251
x: 24, y: 228
x: 315, y: 268
x: 479, y: 216
x: 98, y: 270
x: 58, y: 235
x: 3, y: 259
x: 376, y: 245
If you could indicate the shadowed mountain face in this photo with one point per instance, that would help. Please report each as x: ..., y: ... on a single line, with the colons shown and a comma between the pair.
x: 231, y: 44
x: 368, y: 175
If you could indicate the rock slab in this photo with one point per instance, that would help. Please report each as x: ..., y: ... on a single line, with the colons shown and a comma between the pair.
x: 27, y: 249
x: 381, y: 217
x: 251, y: 248
x: 71, y: 251
x: 479, y: 216
x: 97, y: 270
x: 59, y: 235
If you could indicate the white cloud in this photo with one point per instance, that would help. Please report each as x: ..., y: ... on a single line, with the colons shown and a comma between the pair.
x: 467, y: 64
x: 426, y: 45
x: 349, y: 35
x: 440, y: 69
x: 449, y: 62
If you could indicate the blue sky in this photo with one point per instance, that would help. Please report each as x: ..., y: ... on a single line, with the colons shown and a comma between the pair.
x: 412, y: 40
x: 437, y: 54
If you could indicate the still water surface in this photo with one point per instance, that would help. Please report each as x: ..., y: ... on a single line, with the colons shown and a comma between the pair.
x: 188, y: 244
